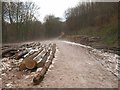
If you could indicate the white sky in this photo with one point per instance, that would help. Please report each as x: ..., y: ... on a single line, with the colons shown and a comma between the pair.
x: 55, y: 7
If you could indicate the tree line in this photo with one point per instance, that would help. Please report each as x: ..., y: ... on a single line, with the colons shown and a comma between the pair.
x: 91, y: 14
x: 20, y: 20
x: 20, y: 23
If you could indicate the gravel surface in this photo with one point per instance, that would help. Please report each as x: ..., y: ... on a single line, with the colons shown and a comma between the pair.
x: 73, y: 67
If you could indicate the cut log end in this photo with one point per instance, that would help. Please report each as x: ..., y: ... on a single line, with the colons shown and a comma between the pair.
x: 30, y: 64
x: 22, y: 66
x: 37, y: 80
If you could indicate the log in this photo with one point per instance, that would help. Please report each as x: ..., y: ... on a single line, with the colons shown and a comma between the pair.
x: 20, y: 54
x: 38, y: 44
x: 35, y: 54
x: 42, y: 62
x: 47, y: 64
x: 22, y: 66
x: 44, y: 59
x: 30, y: 54
x: 5, y: 47
x: 37, y: 79
x: 10, y: 54
x: 42, y: 53
x: 7, y: 51
x: 24, y: 45
x: 51, y: 57
x: 29, y: 62
x: 53, y: 48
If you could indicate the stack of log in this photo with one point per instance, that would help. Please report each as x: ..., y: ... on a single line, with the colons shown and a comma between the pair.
x: 46, y: 64
x: 34, y: 56
x: 28, y: 62
x: 17, y: 52
x: 40, y: 59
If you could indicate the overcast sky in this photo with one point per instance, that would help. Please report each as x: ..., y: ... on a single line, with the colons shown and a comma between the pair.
x: 55, y: 7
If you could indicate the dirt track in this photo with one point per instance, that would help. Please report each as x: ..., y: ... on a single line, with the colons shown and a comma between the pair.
x: 74, y: 67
